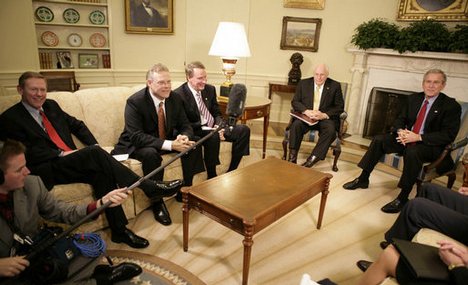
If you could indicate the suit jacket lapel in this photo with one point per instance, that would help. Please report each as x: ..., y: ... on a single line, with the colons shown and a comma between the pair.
x: 32, y: 123
x: 325, y: 93
x: 434, y: 111
x: 190, y: 100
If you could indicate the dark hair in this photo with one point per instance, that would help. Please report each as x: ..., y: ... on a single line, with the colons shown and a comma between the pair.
x: 8, y: 149
x: 191, y: 66
x: 29, y: 74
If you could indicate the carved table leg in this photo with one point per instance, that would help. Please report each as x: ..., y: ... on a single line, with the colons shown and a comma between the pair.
x: 248, y: 242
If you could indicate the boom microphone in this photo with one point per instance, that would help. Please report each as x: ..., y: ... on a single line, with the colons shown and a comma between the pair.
x: 236, y: 103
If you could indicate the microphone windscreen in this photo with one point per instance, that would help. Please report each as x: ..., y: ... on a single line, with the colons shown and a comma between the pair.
x: 236, y: 100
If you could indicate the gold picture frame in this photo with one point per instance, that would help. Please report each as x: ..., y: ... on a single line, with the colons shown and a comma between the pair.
x: 305, y: 4
x: 449, y: 10
x: 149, y: 16
x: 301, y: 33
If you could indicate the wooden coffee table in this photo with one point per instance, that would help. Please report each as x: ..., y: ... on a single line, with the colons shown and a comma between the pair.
x: 249, y: 199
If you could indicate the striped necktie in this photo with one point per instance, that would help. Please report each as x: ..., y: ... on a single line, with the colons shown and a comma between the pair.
x: 204, y: 111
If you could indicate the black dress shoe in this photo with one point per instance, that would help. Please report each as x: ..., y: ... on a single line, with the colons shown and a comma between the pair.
x: 384, y: 244
x: 355, y: 184
x: 130, y: 238
x: 363, y: 265
x: 105, y: 274
x: 311, y: 161
x: 166, y: 188
x: 393, y: 207
x: 161, y: 214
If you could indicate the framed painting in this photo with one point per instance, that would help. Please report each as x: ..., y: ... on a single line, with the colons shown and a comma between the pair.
x: 301, y: 33
x: 88, y: 60
x: 149, y: 17
x: 440, y: 10
x: 305, y: 4
x: 64, y: 59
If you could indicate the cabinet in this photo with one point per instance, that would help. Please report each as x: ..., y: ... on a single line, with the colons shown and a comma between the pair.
x: 72, y: 34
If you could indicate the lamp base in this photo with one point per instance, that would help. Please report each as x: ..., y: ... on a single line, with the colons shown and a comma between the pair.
x: 225, y: 90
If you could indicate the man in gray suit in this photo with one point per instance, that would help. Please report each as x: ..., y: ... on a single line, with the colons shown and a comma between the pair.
x: 24, y: 203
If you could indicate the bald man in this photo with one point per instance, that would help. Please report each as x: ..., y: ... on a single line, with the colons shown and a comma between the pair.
x: 321, y: 99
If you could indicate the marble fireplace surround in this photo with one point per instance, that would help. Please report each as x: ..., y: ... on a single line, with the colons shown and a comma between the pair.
x: 389, y: 69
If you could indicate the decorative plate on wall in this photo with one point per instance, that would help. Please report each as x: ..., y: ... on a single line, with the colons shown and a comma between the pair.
x: 97, y: 17
x: 75, y: 40
x: 71, y: 16
x: 97, y: 40
x: 44, y: 14
x: 49, y: 39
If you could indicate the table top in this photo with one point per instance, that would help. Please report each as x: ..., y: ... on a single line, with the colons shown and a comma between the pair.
x: 253, y: 191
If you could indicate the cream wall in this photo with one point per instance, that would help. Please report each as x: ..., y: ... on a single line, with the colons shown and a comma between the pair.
x: 195, y: 24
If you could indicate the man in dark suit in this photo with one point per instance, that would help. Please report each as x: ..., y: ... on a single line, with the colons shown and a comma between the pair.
x: 144, y: 15
x: 47, y: 130
x: 321, y: 99
x: 426, y: 124
x: 193, y: 94
x: 155, y: 124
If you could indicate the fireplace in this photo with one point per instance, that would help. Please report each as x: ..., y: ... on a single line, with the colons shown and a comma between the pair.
x: 383, y: 108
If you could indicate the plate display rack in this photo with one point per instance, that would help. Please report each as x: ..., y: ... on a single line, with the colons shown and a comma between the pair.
x: 73, y: 27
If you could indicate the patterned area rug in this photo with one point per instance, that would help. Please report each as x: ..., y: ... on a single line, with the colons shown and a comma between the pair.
x: 156, y: 271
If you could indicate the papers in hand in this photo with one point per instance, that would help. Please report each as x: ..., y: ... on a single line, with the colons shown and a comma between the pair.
x: 206, y: 128
x: 121, y: 157
x: 303, y: 118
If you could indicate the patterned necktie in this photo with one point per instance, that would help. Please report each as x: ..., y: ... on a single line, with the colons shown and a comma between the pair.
x: 204, y: 111
x: 420, y: 119
x: 317, y: 98
x: 161, y: 121
x: 53, y: 135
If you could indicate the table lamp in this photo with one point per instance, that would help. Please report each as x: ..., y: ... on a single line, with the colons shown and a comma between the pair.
x: 230, y: 43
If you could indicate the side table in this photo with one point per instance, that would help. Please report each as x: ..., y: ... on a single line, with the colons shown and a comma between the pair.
x: 280, y: 87
x: 255, y: 107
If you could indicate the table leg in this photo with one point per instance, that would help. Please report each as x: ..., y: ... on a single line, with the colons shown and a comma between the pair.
x: 266, y: 121
x: 323, y: 202
x: 248, y: 242
x: 185, y: 220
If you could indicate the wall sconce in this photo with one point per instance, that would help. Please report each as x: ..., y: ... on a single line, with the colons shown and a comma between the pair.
x: 230, y: 43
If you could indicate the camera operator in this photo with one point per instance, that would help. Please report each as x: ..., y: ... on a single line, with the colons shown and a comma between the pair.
x: 25, y: 201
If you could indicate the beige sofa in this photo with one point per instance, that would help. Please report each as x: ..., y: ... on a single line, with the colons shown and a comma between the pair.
x: 102, y: 111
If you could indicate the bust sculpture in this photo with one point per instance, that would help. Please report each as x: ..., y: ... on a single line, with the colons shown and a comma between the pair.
x: 295, y: 74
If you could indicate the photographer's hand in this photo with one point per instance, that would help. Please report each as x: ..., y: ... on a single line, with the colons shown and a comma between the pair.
x: 12, y: 266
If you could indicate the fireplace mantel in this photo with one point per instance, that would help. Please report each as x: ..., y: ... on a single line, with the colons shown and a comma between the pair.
x: 389, y: 69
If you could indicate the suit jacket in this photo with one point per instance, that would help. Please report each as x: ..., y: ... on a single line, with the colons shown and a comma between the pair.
x: 191, y: 108
x: 32, y: 204
x: 331, y: 102
x: 18, y: 124
x: 442, y: 122
x: 141, y: 122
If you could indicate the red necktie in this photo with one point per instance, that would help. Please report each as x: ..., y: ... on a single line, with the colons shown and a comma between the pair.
x: 54, y: 136
x: 420, y: 119
x: 161, y: 121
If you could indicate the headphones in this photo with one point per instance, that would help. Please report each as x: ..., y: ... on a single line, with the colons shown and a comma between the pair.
x: 2, y: 175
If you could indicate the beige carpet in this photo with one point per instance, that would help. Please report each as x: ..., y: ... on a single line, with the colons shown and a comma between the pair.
x: 352, y: 228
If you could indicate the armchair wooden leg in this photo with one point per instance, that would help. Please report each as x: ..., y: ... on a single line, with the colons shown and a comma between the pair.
x: 285, y: 149
x: 336, y: 153
x: 451, y: 180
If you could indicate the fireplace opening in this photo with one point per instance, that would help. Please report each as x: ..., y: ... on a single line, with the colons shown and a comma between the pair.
x: 383, y: 108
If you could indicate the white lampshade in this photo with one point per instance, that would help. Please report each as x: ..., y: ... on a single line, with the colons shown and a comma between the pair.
x: 230, y: 41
